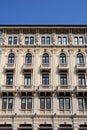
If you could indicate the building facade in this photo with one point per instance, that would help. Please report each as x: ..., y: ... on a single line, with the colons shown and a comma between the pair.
x: 43, y: 77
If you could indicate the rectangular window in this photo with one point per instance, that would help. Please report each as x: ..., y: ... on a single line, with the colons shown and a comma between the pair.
x: 76, y: 40
x: 63, y: 79
x: 64, y: 40
x: 80, y: 103
x: 45, y: 79
x: 47, y: 40
x: 31, y: 40
x: 27, y: 79
x: 4, y: 103
x: 15, y: 41
x: 42, y: 40
x: 23, y: 103
x: 81, y: 79
x: 48, y: 103
x: 67, y: 100
x: 10, y: 103
x: 42, y: 103
x: 29, y: 103
x: 85, y: 103
x: 10, y: 40
x: 59, y: 40
x: 81, y: 40
x: 26, y: 40
x: 9, y: 80
x: 61, y: 103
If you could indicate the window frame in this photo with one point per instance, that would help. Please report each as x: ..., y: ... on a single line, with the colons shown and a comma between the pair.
x: 7, y: 107
x: 8, y: 80
x: 45, y: 106
x: 26, y: 103
x: 64, y: 105
x: 11, y: 58
x: 45, y: 40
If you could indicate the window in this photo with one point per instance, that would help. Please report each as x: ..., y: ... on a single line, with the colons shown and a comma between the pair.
x: 15, y: 41
x: 27, y: 79
x: 11, y: 58
x: 82, y: 103
x: 10, y: 40
x: 59, y: 40
x: 76, y: 40
x: 47, y: 40
x: 64, y: 103
x: 26, y: 103
x: 31, y: 40
x: 45, y: 79
x: 9, y: 79
x: 28, y: 58
x: 81, y: 40
x: 45, y: 58
x: 64, y: 41
x: 45, y: 103
x: 80, y: 58
x: 63, y: 79
x: 26, y: 40
x: 7, y: 103
x: 62, y: 58
x: 43, y: 40
x: 81, y: 79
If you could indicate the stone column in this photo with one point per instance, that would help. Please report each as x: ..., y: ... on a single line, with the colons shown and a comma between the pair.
x: 15, y: 126
x: 35, y: 124
x: 74, y: 103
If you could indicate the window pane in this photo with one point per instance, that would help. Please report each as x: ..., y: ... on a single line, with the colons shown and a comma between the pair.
x: 15, y: 40
x: 4, y: 103
x: 80, y: 103
x: 29, y: 103
x: 10, y: 103
x: 48, y: 103
x: 61, y: 103
x: 23, y: 103
x: 26, y: 40
x: 31, y: 40
x: 42, y: 103
x: 80, y: 59
x: 27, y: 79
x: 59, y: 40
x: 81, y: 40
x: 47, y: 40
x: 76, y: 40
x: 11, y: 58
x: 81, y: 79
x: 64, y: 40
x: 45, y: 79
x: 45, y: 58
x: 9, y: 80
x: 67, y: 100
x: 63, y: 79
x: 10, y: 40
x: 42, y: 40
x: 62, y: 58
x: 28, y: 58
x: 85, y: 103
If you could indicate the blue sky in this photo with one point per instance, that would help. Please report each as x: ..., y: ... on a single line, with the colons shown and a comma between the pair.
x: 43, y: 11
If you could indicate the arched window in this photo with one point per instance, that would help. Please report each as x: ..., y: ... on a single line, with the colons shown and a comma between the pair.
x: 62, y: 58
x: 45, y: 58
x: 80, y: 58
x: 11, y: 58
x: 28, y: 58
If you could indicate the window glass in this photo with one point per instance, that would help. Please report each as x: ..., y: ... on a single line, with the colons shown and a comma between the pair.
x: 80, y: 58
x: 67, y: 100
x: 85, y: 103
x: 9, y: 79
x: 45, y: 79
x: 59, y: 40
x: 27, y: 79
x: 45, y: 58
x: 26, y: 40
x: 81, y: 40
x: 48, y: 103
x: 43, y: 40
x: 62, y: 58
x: 10, y: 103
x: 80, y: 103
x: 81, y: 78
x: 23, y: 103
x: 11, y: 58
x: 61, y: 103
x: 64, y: 40
x: 4, y: 103
x: 47, y: 40
x: 63, y: 79
x: 31, y: 40
x: 29, y: 103
x: 15, y: 41
x: 10, y: 40
x: 28, y: 58
x: 42, y: 103
x: 76, y: 40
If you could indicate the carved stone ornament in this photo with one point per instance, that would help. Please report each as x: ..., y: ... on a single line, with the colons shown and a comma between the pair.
x: 37, y: 38
x: 86, y: 39
x: 2, y: 38
x: 70, y: 39
x: 53, y: 38
x: 20, y: 38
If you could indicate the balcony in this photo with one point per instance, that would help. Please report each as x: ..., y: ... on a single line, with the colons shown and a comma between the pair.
x: 27, y: 67
x: 64, y: 87
x: 63, y: 67
x: 9, y: 67
x: 25, y: 88
x: 45, y: 88
x: 8, y: 87
x: 81, y: 67
x: 82, y: 87
x: 45, y: 67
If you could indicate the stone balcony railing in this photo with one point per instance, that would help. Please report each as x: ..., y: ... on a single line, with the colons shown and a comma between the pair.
x: 8, y: 87
x: 64, y: 67
x: 9, y: 66
x: 45, y: 87
x: 81, y: 67
x: 27, y: 88
x: 45, y: 66
x: 27, y: 67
